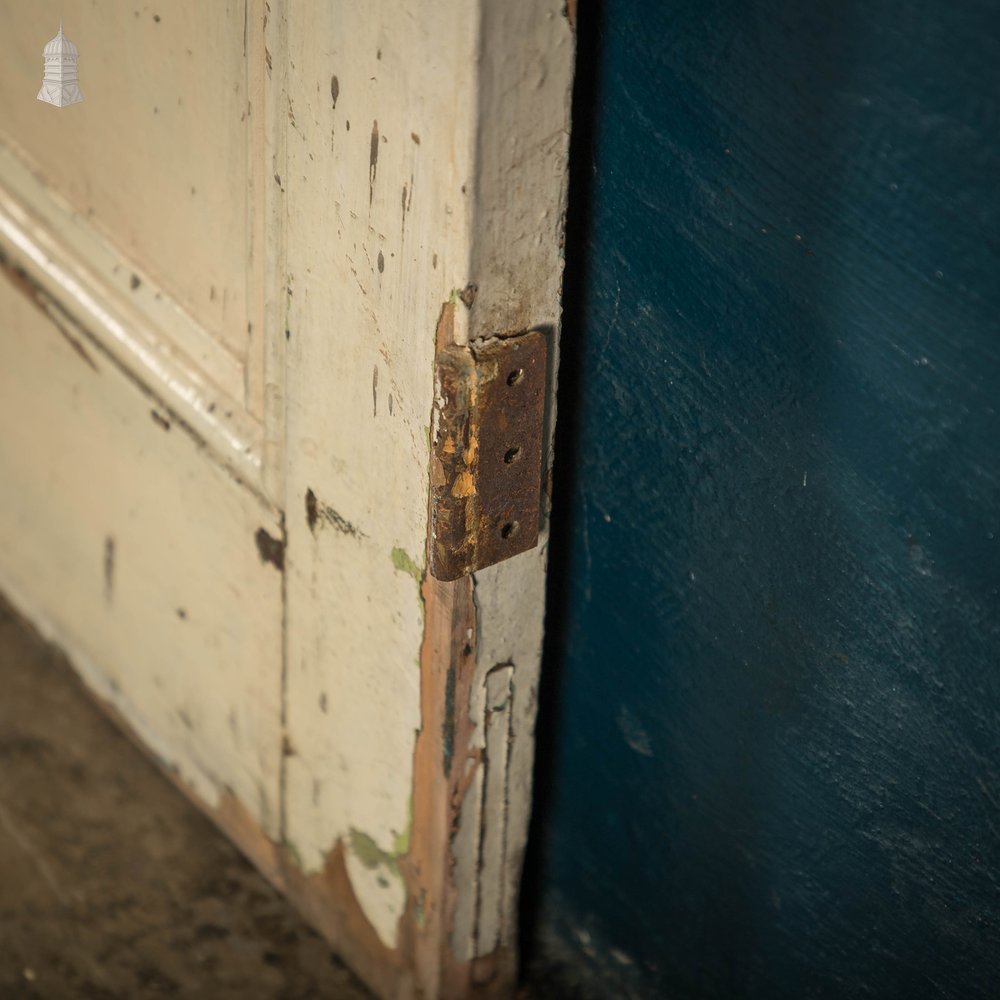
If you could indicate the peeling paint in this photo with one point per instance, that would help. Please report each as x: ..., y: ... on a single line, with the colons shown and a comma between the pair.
x: 319, y: 513
x: 109, y: 567
x: 271, y: 550
x: 161, y: 421
x: 373, y: 163
x: 405, y: 564
x: 367, y: 851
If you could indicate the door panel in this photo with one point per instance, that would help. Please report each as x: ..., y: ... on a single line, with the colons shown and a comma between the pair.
x: 129, y: 316
x: 166, y: 178
x: 125, y: 543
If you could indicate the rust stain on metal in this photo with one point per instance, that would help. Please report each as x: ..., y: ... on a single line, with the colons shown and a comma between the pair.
x: 486, y: 464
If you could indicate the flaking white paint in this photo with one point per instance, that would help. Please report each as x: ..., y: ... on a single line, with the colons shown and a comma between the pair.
x: 360, y: 332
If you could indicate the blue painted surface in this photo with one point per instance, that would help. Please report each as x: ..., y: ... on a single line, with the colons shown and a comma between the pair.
x: 774, y: 652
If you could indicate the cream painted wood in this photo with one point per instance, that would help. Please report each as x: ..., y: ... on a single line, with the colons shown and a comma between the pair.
x: 363, y: 172
x: 382, y: 148
x: 129, y: 317
x: 137, y: 555
x: 429, y: 153
x: 155, y: 155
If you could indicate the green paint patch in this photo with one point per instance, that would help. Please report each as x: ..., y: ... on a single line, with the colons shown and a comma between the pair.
x: 405, y: 563
x: 367, y: 851
x: 401, y: 842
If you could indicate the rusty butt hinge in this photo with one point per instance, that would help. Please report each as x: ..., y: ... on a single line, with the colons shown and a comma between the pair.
x: 486, y: 464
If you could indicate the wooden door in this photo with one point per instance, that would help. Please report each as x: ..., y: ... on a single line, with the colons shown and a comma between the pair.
x: 235, y: 277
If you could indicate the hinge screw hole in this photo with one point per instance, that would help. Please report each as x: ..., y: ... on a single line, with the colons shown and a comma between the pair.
x: 515, y: 376
x: 509, y: 530
x: 512, y: 455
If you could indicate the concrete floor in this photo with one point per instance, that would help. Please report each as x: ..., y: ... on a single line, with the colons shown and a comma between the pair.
x: 111, y: 883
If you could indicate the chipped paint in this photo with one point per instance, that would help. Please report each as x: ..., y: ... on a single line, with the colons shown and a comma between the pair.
x: 369, y: 853
x: 372, y: 856
x: 161, y: 421
x: 319, y: 514
x: 271, y: 550
x: 155, y: 558
x: 109, y: 568
x: 373, y: 162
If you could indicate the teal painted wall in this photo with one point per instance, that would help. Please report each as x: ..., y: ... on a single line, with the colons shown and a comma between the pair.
x: 771, y: 728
